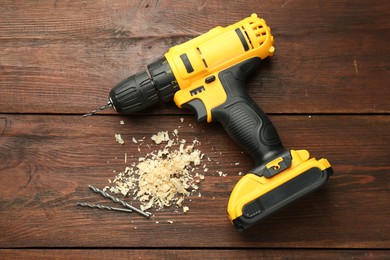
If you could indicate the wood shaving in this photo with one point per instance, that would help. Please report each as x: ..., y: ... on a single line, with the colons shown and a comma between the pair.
x: 119, y: 139
x: 221, y: 174
x: 163, y: 177
x: 161, y: 137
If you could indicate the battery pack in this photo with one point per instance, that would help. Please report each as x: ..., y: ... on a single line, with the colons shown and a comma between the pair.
x: 254, y: 197
x: 283, y: 195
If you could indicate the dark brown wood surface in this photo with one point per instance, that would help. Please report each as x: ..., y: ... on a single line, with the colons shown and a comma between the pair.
x: 326, y: 90
x: 194, y: 254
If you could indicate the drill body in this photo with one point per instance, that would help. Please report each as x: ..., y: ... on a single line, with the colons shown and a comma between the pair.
x: 208, y: 75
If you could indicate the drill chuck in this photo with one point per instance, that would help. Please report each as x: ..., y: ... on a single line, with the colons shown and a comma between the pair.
x: 144, y: 89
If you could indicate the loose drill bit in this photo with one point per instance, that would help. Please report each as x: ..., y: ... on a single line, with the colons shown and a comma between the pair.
x: 105, y: 194
x: 108, y: 105
x: 102, y: 207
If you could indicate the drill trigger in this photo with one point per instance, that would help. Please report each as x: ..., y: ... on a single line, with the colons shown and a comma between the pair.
x: 196, y: 105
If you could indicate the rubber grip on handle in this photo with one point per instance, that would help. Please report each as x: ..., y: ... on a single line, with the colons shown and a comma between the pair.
x: 243, y: 120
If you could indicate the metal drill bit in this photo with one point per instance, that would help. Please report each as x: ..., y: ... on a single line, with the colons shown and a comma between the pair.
x: 98, y: 206
x: 105, y: 194
x: 108, y: 105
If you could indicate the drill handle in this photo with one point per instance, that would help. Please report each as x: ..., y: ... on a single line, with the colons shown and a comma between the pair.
x: 243, y: 120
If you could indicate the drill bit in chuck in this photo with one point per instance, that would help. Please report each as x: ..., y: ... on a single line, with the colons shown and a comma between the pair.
x: 105, y: 194
x: 103, y: 207
x: 108, y: 105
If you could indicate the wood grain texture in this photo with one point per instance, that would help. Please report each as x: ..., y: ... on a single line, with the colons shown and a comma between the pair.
x: 48, y: 162
x: 194, y: 254
x: 326, y: 89
x: 64, y: 57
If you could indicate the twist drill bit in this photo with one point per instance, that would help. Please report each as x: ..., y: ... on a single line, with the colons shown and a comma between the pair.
x: 103, y: 207
x: 105, y: 194
x: 108, y: 105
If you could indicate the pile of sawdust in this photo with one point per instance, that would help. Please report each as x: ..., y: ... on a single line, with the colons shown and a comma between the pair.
x: 163, y: 177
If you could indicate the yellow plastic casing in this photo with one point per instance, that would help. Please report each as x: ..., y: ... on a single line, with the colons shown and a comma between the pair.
x: 251, y: 186
x: 213, y: 52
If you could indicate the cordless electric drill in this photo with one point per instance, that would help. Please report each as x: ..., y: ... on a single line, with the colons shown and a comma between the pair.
x: 208, y: 75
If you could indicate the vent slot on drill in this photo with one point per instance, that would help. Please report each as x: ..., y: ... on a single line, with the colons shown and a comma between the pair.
x: 242, y: 39
x: 247, y: 37
x: 260, y: 32
x: 196, y: 91
x: 187, y: 63
x: 204, y: 61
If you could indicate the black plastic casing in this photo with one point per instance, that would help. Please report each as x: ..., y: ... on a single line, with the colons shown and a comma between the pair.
x: 243, y: 120
x: 134, y: 94
x: 145, y: 88
x: 164, y: 80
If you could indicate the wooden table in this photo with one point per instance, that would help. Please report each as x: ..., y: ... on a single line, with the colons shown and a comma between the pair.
x: 326, y: 90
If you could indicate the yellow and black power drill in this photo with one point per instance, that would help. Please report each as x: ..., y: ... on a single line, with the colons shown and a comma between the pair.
x: 208, y: 75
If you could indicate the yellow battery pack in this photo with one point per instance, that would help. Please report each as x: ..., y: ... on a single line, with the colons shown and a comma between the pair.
x: 254, y: 198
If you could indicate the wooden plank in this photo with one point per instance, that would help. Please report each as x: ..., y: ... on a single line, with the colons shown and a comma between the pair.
x: 192, y: 254
x: 48, y: 161
x: 62, y: 57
